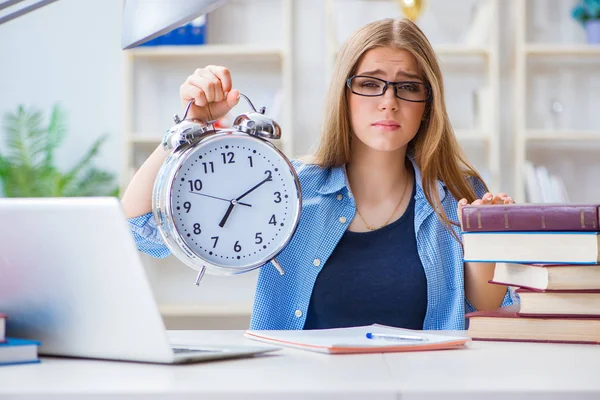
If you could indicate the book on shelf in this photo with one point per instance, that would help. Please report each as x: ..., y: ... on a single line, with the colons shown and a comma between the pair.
x: 585, y: 303
x: 19, y: 351
x: 2, y: 327
x: 506, y: 324
x: 543, y: 187
x: 543, y: 277
x: 531, y: 217
x: 532, y: 247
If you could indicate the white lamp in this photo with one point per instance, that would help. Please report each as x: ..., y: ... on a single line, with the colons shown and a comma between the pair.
x: 143, y: 20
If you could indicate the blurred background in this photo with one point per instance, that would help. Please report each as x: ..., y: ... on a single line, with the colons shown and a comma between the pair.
x: 79, y: 115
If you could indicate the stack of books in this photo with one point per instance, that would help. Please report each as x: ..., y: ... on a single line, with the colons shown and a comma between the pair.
x: 551, y: 253
x: 16, y: 351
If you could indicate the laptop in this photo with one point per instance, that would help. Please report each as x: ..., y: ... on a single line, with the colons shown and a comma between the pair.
x: 71, y: 277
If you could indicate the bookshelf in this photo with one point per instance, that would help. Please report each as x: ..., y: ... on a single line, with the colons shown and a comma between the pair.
x: 558, y: 59
x: 479, y: 133
x: 260, y: 58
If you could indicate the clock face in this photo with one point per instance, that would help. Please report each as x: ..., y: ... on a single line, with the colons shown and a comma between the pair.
x: 235, y: 201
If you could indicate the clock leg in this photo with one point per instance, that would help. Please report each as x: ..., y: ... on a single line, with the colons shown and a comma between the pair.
x: 200, y: 275
x: 278, y: 266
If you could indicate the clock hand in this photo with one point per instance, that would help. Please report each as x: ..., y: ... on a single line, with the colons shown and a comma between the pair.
x: 229, y: 209
x: 267, y: 179
x: 235, y: 201
x: 220, y: 198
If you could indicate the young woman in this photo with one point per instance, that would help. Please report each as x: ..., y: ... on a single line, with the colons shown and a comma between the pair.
x: 378, y: 240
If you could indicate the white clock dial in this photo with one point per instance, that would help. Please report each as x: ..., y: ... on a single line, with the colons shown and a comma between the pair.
x: 235, y: 201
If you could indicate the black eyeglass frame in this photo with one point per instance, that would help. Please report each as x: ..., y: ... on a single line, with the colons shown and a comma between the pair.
x: 387, y: 84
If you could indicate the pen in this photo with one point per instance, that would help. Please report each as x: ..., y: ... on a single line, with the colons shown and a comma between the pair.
x: 386, y: 336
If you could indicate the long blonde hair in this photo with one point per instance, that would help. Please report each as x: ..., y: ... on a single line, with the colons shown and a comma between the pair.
x: 435, y: 148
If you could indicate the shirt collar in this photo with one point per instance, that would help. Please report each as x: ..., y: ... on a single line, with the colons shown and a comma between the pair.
x: 336, y: 181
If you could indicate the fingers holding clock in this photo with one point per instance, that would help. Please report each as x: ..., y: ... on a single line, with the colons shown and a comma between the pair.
x: 211, y: 90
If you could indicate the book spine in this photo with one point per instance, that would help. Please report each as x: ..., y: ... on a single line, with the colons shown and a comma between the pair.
x: 560, y: 217
x: 485, y: 339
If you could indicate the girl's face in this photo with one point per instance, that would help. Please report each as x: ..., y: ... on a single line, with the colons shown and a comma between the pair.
x: 386, y: 123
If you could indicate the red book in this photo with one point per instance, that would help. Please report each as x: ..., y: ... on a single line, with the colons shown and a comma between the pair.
x: 531, y: 217
x: 506, y: 324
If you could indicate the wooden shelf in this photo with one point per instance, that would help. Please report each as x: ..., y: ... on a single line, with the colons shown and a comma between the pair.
x: 207, y: 50
x: 206, y: 310
x: 562, y: 50
x: 471, y: 135
x: 460, y: 50
x: 562, y: 135
x: 147, y: 139
x: 453, y: 50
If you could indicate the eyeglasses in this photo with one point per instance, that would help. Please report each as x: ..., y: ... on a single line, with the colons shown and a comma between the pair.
x: 369, y: 86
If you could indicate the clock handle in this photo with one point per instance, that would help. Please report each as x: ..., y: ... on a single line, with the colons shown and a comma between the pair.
x: 200, y: 275
x: 278, y: 266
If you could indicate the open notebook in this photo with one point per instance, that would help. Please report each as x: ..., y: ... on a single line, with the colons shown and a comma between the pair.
x: 354, y: 340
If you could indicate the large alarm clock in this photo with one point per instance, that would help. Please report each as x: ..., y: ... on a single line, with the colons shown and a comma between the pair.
x: 226, y: 201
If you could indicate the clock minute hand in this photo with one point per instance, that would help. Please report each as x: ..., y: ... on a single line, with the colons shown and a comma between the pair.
x: 267, y: 179
x: 220, y: 198
x: 235, y: 201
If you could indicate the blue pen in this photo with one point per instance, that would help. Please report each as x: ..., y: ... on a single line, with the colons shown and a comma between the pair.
x: 386, y: 336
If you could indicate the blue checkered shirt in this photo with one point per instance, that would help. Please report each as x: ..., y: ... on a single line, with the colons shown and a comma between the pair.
x: 281, y: 301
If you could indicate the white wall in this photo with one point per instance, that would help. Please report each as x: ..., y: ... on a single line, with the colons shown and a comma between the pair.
x: 68, y: 52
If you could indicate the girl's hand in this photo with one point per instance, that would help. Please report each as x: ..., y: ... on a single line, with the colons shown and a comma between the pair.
x: 487, y: 199
x: 212, y: 92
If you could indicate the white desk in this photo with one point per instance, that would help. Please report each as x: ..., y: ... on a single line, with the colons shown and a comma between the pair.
x: 492, y: 370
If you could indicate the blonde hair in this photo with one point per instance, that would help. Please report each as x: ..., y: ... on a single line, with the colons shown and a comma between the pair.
x: 435, y: 148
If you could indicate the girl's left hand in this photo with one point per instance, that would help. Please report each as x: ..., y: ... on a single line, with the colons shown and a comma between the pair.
x: 487, y: 199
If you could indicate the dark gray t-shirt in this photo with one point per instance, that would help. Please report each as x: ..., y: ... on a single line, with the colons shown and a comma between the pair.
x: 372, y: 277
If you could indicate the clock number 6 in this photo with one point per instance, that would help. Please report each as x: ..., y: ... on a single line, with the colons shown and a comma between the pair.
x: 237, y: 247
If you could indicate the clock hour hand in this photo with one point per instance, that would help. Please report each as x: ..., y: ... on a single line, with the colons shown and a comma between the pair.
x: 229, y: 209
x: 220, y: 198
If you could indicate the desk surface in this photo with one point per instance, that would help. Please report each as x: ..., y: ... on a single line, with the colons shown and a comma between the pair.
x: 493, y: 369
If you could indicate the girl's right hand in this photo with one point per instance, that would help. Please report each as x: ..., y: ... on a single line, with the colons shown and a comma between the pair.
x: 210, y: 88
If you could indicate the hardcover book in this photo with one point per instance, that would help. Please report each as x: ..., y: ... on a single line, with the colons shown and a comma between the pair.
x: 543, y: 277
x: 505, y: 324
x: 559, y: 304
x: 531, y: 217
x: 532, y: 247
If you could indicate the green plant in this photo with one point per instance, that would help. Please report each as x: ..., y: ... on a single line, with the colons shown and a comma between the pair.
x: 27, y: 167
x: 587, y: 10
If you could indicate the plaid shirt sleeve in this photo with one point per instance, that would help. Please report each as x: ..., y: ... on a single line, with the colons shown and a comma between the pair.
x: 147, y: 237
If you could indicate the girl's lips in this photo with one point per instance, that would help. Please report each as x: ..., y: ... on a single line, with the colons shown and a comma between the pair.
x: 386, y: 125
